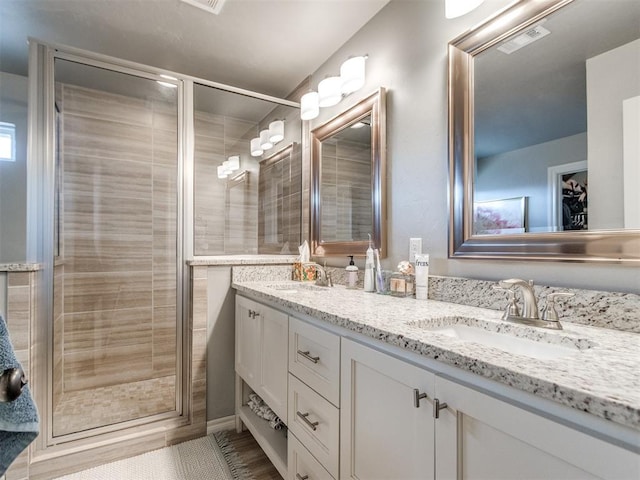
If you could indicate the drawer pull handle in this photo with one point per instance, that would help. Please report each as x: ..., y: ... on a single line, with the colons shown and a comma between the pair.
x: 417, y: 396
x: 437, y: 406
x: 300, y: 477
x: 308, y: 357
x: 303, y: 416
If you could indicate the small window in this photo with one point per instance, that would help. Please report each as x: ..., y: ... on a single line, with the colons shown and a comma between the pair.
x: 7, y: 142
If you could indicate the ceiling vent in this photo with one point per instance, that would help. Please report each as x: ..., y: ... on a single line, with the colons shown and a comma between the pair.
x: 211, y: 6
x: 524, y: 39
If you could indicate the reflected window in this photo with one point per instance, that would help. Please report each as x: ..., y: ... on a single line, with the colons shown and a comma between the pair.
x: 7, y: 142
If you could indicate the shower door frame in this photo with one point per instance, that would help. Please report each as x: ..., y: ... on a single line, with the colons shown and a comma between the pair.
x: 40, y: 243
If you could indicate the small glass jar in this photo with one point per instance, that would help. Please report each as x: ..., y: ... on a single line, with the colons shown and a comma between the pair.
x: 402, y: 285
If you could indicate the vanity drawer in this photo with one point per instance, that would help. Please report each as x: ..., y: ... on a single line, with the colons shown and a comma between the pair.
x: 303, y: 465
x: 315, y: 422
x: 314, y: 357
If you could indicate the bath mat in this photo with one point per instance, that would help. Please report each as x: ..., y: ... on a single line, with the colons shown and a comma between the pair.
x: 211, y: 458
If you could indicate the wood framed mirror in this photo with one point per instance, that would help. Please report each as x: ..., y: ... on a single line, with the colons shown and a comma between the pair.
x: 523, y: 85
x: 348, y: 180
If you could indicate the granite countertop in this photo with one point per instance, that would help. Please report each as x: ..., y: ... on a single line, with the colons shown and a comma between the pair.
x: 242, y: 260
x: 19, y: 267
x: 600, y: 375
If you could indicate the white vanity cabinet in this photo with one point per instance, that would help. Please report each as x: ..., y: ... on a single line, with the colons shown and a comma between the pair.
x: 455, y: 432
x: 261, y: 366
x: 314, y: 402
x: 387, y: 426
x: 479, y: 436
x: 261, y: 352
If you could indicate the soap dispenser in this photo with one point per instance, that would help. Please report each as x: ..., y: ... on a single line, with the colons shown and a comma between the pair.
x: 369, y: 282
x: 352, y: 273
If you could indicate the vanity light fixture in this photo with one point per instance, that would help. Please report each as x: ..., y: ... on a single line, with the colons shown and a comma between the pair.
x: 309, y: 106
x: 330, y: 91
x: 256, y: 150
x: 333, y: 89
x: 276, y: 131
x: 265, y: 143
x: 352, y: 74
x: 457, y: 8
x: 229, y: 166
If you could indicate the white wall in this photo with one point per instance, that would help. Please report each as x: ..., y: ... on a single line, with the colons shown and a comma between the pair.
x: 523, y: 172
x: 407, y: 47
x: 612, y: 78
x: 13, y: 175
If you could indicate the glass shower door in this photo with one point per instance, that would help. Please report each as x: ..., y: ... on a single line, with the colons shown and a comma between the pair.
x: 116, y: 309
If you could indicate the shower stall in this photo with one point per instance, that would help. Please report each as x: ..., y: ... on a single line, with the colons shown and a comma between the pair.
x: 124, y: 188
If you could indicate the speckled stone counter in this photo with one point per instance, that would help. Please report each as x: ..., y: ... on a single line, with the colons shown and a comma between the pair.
x: 242, y: 260
x: 601, y: 375
x: 19, y: 267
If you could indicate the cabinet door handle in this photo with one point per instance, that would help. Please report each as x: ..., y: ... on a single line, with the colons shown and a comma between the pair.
x: 300, y: 477
x: 303, y: 416
x: 417, y: 396
x: 437, y: 406
x: 253, y: 314
x: 308, y: 357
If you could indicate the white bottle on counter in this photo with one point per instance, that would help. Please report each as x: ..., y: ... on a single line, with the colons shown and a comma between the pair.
x: 352, y: 274
x: 369, y: 282
x: 422, y: 276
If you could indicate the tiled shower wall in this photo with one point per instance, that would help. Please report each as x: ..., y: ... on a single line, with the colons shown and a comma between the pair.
x: 346, y: 190
x: 115, y: 279
x: 226, y: 211
x: 280, y: 202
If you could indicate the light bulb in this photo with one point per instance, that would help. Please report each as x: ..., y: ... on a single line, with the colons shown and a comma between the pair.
x: 329, y: 91
x: 352, y: 74
x: 457, y: 8
x: 265, y: 143
x: 234, y: 163
x: 276, y: 131
x: 256, y: 151
x: 309, y: 108
x: 222, y: 173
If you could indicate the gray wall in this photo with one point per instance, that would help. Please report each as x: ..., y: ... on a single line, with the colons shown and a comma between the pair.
x: 13, y: 175
x: 605, y: 93
x: 523, y: 172
x: 407, y: 47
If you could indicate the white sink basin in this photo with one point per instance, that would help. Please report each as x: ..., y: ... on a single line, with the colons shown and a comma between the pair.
x: 520, y: 340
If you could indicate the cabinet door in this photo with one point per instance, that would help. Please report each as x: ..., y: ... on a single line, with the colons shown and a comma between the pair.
x: 493, y: 439
x: 248, y: 324
x: 273, y: 360
x: 382, y: 433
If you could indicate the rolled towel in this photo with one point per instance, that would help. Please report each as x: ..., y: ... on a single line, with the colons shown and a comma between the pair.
x: 19, y: 424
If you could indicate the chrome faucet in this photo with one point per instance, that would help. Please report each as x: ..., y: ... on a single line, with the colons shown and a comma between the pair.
x: 529, y: 315
x: 530, y: 304
x: 324, y: 278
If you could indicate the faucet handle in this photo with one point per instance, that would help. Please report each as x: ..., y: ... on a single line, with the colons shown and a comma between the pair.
x: 550, y: 313
x: 511, y: 309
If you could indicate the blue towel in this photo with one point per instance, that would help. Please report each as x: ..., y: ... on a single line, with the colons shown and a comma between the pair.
x: 18, y: 419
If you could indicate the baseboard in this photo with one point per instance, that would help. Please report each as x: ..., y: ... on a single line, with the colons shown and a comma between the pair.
x: 221, y: 424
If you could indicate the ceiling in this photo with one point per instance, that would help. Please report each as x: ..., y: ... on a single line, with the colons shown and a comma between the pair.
x: 539, y: 93
x: 268, y: 46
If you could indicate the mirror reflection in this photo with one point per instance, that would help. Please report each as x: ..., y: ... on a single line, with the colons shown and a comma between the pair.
x: 345, y: 184
x: 552, y: 103
x: 348, y: 175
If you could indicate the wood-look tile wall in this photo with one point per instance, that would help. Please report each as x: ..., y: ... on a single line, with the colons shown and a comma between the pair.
x: 346, y: 190
x: 21, y: 293
x: 280, y: 203
x: 226, y: 212
x: 115, y: 285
